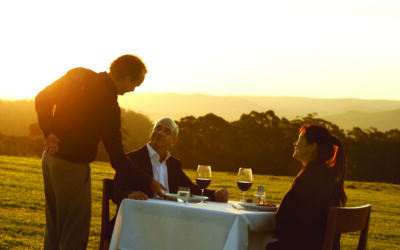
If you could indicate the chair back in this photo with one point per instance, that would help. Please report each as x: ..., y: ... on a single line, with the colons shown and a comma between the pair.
x: 345, y: 220
x: 108, y: 185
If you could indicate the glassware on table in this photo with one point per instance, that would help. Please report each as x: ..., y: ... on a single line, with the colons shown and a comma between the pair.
x: 203, y: 178
x: 183, y: 194
x: 245, y: 180
x: 260, y: 195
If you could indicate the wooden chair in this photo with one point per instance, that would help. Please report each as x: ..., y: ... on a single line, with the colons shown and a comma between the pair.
x: 105, y: 211
x: 345, y: 220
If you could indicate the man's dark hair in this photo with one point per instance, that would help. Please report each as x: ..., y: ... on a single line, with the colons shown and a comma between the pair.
x: 127, y: 65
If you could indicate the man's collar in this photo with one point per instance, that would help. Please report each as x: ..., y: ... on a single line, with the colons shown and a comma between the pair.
x: 153, y: 153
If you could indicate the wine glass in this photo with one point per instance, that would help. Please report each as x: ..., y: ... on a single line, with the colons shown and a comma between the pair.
x: 203, y: 178
x: 245, y: 180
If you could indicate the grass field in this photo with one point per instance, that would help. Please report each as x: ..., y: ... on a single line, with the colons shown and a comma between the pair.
x: 22, y: 216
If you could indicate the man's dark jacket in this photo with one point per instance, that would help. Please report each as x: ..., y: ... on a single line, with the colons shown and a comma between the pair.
x: 81, y: 108
x: 125, y: 184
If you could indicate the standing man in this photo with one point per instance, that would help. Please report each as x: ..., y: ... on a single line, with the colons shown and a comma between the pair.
x: 75, y: 112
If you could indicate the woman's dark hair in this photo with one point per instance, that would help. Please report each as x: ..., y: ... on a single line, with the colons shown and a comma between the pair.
x: 331, y: 152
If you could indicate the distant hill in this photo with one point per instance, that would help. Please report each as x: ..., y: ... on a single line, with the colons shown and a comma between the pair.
x: 16, y: 116
x: 383, y: 121
x: 381, y: 114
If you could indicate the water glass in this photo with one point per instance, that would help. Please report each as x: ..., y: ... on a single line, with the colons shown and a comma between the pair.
x: 183, y: 194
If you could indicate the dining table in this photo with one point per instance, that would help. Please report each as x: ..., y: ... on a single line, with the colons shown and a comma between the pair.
x: 163, y: 224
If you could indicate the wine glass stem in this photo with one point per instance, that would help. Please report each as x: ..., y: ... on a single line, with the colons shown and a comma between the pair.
x: 202, y: 192
x: 243, y: 196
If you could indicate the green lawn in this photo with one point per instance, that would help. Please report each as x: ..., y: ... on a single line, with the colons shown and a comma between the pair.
x: 22, y: 203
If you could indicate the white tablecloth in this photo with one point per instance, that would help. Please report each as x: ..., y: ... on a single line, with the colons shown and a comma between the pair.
x: 159, y: 224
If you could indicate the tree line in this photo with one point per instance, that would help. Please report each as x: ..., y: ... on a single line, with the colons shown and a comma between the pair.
x: 260, y: 140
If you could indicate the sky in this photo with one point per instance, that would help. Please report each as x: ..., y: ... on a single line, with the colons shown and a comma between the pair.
x: 317, y: 49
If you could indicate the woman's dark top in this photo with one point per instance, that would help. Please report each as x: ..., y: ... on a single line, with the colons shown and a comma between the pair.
x: 302, y: 214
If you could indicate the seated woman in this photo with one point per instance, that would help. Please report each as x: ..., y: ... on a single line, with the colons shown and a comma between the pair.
x: 302, y: 214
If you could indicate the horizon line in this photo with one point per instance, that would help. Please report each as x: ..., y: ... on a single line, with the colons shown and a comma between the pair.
x: 232, y: 95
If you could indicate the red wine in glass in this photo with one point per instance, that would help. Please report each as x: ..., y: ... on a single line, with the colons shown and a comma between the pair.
x: 203, y: 178
x: 203, y: 183
x: 245, y: 180
x: 244, y: 185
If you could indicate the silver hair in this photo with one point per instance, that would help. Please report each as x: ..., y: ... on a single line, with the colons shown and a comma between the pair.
x: 174, y: 125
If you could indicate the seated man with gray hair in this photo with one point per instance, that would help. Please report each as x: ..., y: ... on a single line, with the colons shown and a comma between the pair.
x: 155, y: 160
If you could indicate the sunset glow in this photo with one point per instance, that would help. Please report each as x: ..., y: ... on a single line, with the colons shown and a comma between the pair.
x: 310, y: 48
